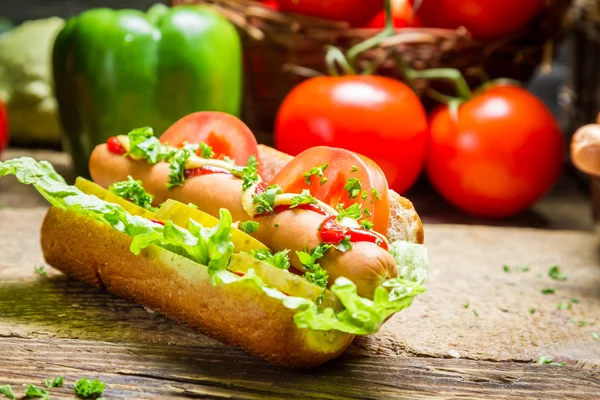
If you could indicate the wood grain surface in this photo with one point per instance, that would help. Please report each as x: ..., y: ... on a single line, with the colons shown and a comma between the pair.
x: 472, y: 334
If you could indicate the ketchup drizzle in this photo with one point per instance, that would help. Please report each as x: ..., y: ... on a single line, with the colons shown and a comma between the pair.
x: 333, y: 233
x: 114, y: 146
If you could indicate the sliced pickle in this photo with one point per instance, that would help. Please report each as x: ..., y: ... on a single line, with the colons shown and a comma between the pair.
x: 287, y: 282
x: 90, y: 187
x: 180, y: 214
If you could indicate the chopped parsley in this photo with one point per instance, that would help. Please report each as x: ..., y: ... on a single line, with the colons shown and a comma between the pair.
x: 177, y: 165
x: 143, y: 143
x: 344, y: 245
x: 532, y: 310
x: 40, y: 270
x: 303, y: 198
x: 354, y: 169
x: 367, y: 212
x: 525, y: 268
x: 548, y: 360
x: 206, y: 151
x: 279, y: 260
x: 34, y: 391
x: 353, y: 187
x: 548, y: 291
x: 133, y: 191
x: 56, y: 382
x: 89, y: 388
x: 466, y: 305
x: 6, y: 390
x: 555, y: 273
x: 264, y: 201
x: 364, y: 195
x: 595, y: 335
x: 375, y: 194
x: 249, y: 226
x: 315, y: 274
x: 563, y: 306
x: 366, y: 224
x: 352, y: 211
x: 249, y: 173
x: 575, y: 300
x: 583, y: 323
x: 506, y: 268
x: 316, y: 171
x: 475, y: 313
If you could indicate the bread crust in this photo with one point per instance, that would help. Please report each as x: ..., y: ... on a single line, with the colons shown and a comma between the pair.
x: 405, y: 223
x: 238, y: 314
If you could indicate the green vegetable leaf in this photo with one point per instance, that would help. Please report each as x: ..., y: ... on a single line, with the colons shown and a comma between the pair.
x: 548, y: 291
x: 206, y: 151
x: 375, y: 195
x: 249, y: 226
x: 279, y: 260
x: 555, y: 273
x: 366, y: 212
x: 366, y: 224
x: 177, y: 165
x: 87, y: 388
x: 354, y: 169
x: 34, y: 391
x: 264, y: 202
x: 364, y: 195
x: 133, y: 191
x: 40, y: 270
x: 353, y: 187
x: 249, y: 173
x: 56, y: 382
x: 6, y: 390
x: 316, y: 171
x: 550, y: 361
x: 532, y: 310
x: 352, y: 211
x: 143, y: 143
x: 303, y: 198
x: 315, y: 274
x: 344, y: 245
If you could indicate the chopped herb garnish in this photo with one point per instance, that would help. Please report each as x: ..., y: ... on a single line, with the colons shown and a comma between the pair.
x: 575, y: 300
x: 532, y: 310
x: 583, y: 323
x: 506, y: 268
x: 366, y: 212
x: 265, y: 201
x: 375, y: 195
x: 352, y: 211
x: 548, y: 360
x: 354, y: 169
x: 563, y: 306
x: 595, y: 335
x: 475, y: 313
x: 548, y: 291
x: 554, y: 273
x: 366, y: 224
x: 133, y: 191
x: 206, y: 151
x: 315, y: 274
x: 40, y: 270
x: 525, y: 268
x: 303, y: 198
x: 56, y: 382
x: 466, y: 305
x: 344, y: 245
x: 143, y: 144
x: 353, y: 187
x: 34, y: 391
x: 89, y: 388
x: 6, y: 390
x: 276, y: 225
x: 316, y: 171
x: 177, y: 165
x: 279, y: 260
x: 249, y: 173
x: 249, y: 226
x: 364, y: 195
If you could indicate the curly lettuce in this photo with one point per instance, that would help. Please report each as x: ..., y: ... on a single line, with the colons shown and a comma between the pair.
x: 213, y: 247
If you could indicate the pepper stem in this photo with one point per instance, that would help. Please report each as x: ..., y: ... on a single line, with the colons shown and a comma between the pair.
x: 387, y: 32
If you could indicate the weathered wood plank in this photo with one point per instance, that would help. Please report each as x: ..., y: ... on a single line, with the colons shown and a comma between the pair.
x: 163, y: 371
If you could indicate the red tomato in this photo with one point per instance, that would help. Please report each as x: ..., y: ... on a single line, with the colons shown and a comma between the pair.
x: 402, y: 15
x: 503, y: 152
x: 343, y: 165
x: 356, y: 12
x: 485, y: 19
x: 3, y: 127
x: 226, y: 134
x: 376, y: 116
x: 272, y: 4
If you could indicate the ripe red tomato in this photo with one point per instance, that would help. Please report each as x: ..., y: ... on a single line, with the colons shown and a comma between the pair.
x: 3, y: 127
x: 272, y: 4
x: 225, y: 133
x: 485, y: 19
x: 402, y: 15
x: 342, y: 166
x: 356, y: 12
x: 502, y: 153
x: 378, y: 117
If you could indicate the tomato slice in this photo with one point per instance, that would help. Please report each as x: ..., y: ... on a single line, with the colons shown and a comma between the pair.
x: 343, y: 165
x: 225, y: 133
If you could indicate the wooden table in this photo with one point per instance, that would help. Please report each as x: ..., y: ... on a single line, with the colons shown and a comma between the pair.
x: 472, y: 335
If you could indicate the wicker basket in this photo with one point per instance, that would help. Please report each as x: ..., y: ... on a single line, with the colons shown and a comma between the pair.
x: 273, y: 40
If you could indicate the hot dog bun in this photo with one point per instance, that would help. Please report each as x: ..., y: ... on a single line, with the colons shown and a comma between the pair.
x: 238, y: 314
x: 405, y: 223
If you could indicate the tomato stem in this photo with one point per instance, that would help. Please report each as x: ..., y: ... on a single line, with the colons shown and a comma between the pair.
x: 335, y: 58
x: 452, y: 75
x: 371, y: 42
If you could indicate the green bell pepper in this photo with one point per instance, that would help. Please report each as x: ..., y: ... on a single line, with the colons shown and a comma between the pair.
x: 118, y: 70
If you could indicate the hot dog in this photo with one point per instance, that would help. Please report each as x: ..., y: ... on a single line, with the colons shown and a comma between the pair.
x: 367, y: 264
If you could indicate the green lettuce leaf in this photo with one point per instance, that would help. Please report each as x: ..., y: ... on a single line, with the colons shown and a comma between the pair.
x: 213, y: 247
